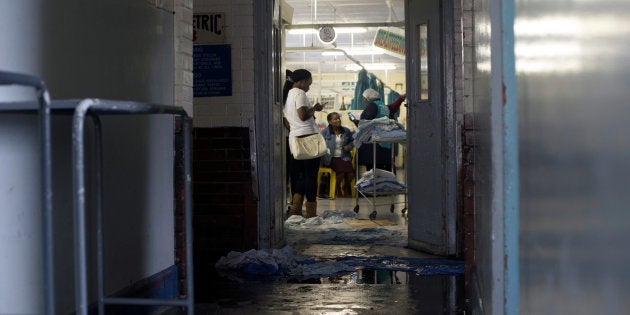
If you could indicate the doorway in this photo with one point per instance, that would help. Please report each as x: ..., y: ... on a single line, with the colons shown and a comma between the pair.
x: 431, y: 157
x: 436, y: 135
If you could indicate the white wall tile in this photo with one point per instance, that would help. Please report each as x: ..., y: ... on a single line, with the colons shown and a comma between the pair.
x: 237, y: 109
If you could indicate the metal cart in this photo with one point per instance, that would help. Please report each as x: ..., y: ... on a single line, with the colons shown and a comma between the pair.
x: 372, y: 199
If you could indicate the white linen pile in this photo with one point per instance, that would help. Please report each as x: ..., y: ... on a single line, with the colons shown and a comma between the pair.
x: 379, y: 129
x: 381, y: 181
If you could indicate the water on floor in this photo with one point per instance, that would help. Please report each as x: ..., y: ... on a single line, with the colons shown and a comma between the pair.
x: 340, y: 263
x: 376, y: 292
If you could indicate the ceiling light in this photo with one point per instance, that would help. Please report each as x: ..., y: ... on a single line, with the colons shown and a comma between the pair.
x: 332, y: 53
x: 338, y: 30
x: 353, y: 53
x: 371, y: 66
x: 302, y: 31
x: 366, y: 52
x: 346, y: 30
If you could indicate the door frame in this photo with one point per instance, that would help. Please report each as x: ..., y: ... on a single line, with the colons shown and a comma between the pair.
x: 266, y: 127
x: 448, y: 163
x: 268, y: 142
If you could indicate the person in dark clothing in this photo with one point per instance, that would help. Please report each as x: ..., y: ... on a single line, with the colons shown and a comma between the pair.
x: 375, y: 109
x: 393, y: 109
x: 395, y: 106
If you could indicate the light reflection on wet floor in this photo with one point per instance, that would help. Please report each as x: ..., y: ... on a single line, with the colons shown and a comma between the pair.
x: 362, y: 291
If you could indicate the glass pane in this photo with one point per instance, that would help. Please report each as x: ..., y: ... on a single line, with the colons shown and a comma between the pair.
x: 424, y: 62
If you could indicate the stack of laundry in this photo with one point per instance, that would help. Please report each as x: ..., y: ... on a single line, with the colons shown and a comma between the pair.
x: 379, y: 129
x: 381, y: 181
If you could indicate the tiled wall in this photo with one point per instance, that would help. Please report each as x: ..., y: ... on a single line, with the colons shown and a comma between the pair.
x: 225, y: 211
x: 224, y: 206
x: 183, y: 55
x: 236, y: 110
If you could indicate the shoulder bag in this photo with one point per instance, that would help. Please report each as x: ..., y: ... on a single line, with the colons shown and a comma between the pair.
x: 308, y: 147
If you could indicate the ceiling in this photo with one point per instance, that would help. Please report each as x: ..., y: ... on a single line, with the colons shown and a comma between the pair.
x: 356, y: 23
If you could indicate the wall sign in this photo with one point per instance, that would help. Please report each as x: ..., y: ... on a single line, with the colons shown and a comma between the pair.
x: 208, y: 28
x: 392, y: 43
x: 212, y: 70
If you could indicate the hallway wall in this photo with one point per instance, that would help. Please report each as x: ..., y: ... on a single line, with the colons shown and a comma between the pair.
x: 109, y: 49
x: 236, y: 110
x: 573, y: 80
x: 226, y: 205
x: 488, y: 280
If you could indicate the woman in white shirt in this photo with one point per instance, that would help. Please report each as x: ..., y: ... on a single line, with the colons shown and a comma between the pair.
x: 298, y: 114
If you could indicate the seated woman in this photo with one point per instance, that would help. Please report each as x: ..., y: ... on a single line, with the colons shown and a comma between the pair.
x: 340, y: 144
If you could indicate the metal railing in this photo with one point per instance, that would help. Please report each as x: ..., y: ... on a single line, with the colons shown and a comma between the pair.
x: 81, y: 109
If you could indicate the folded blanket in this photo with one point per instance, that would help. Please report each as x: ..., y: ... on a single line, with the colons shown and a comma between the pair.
x: 380, y: 181
x: 383, y: 128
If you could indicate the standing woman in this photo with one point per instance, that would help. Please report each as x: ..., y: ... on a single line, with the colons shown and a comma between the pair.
x: 299, y: 113
x: 288, y: 84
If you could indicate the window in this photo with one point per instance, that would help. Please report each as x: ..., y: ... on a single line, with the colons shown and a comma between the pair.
x: 423, y: 63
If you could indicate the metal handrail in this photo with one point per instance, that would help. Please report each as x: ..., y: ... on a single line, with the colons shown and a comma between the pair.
x: 43, y: 98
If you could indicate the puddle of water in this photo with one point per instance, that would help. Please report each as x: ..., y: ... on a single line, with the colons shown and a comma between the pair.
x: 283, y: 281
x: 366, y: 276
x: 363, y: 290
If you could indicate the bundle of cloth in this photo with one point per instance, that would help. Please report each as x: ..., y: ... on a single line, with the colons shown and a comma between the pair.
x: 379, y: 181
x: 379, y: 129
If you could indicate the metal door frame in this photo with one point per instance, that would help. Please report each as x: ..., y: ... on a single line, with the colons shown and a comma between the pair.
x: 441, y: 61
x: 266, y: 139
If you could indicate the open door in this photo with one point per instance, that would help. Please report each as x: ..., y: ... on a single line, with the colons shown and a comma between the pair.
x: 431, y: 160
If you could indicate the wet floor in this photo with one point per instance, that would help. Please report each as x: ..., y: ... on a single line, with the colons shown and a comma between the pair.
x: 373, y: 293
x: 380, y: 275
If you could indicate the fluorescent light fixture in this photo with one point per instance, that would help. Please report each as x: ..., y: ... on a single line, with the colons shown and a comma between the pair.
x: 338, y: 30
x: 346, y: 30
x: 332, y: 53
x: 353, y: 52
x: 302, y: 31
x: 371, y: 66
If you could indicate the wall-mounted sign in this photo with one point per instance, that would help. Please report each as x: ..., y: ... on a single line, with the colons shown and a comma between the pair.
x: 392, y: 43
x: 208, y: 28
x: 212, y: 70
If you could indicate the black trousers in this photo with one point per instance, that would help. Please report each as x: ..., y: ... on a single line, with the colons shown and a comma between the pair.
x: 304, y: 175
